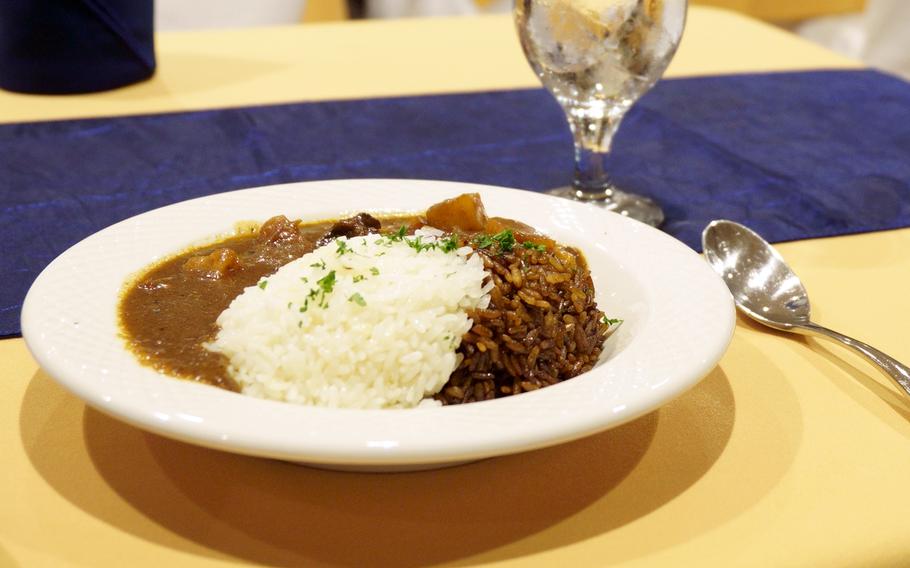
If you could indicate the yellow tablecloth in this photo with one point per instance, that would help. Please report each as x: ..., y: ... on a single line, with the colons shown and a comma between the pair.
x: 787, y: 10
x: 790, y: 453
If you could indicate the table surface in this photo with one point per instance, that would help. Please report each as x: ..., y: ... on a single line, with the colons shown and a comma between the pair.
x: 788, y: 10
x: 791, y: 452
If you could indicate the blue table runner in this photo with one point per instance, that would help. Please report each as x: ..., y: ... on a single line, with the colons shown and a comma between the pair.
x: 793, y: 155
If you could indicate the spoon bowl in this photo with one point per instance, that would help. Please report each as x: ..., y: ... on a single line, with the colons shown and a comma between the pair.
x: 763, y: 285
x: 766, y: 289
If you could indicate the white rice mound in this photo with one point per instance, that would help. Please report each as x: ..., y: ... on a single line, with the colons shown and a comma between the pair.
x: 384, y: 336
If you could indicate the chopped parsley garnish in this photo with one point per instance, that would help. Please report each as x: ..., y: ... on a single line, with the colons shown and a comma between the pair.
x: 358, y: 277
x: 449, y: 243
x: 397, y: 235
x: 327, y: 282
x: 374, y: 271
x: 417, y: 244
x: 534, y: 246
x: 320, y: 264
x: 609, y: 321
x: 325, y: 285
x: 262, y: 284
x: 343, y: 247
x: 357, y: 299
x: 483, y: 241
x: 304, y: 279
x: 504, y: 241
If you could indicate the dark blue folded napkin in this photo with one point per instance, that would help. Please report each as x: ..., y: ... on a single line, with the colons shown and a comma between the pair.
x: 793, y: 155
x: 74, y: 46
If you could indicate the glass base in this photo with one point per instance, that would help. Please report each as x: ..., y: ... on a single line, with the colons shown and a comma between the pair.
x: 631, y: 205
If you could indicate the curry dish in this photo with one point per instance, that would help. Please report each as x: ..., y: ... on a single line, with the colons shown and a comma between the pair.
x: 542, y: 325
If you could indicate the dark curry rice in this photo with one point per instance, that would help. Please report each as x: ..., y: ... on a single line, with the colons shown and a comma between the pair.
x: 542, y: 325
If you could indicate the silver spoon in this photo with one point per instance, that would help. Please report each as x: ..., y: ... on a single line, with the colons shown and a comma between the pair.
x: 767, y: 290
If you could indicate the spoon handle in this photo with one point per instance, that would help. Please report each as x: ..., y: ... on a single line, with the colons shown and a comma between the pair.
x: 891, y: 366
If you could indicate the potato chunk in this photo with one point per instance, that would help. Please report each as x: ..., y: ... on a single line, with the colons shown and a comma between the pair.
x: 462, y: 213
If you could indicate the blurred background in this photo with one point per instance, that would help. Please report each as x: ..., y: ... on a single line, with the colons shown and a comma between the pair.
x: 869, y: 30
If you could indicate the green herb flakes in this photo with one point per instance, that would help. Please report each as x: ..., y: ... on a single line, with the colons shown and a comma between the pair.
x: 417, y: 244
x: 325, y: 285
x: 611, y: 322
x: 483, y: 241
x: 327, y: 282
x: 505, y: 240
x: 262, y: 284
x: 397, y: 235
x: 534, y: 246
x: 449, y: 243
x: 357, y: 299
x: 374, y: 271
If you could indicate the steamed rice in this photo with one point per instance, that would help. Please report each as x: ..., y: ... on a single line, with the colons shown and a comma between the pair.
x: 362, y: 322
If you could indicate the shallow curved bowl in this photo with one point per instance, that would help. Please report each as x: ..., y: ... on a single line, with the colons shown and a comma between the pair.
x: 679, y: 319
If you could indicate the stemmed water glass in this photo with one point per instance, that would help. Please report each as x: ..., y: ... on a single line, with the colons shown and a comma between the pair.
x: 597, y: 57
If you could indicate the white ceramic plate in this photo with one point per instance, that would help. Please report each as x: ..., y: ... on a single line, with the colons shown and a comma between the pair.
x: 679, y: 319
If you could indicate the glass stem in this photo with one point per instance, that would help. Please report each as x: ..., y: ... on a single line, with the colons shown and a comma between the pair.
x: 593, y: 131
